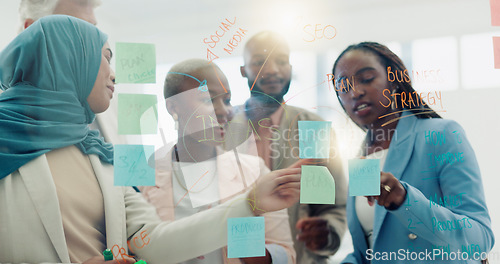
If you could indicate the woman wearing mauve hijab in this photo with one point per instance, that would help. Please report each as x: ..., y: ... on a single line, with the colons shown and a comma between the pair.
x: 57, y: 197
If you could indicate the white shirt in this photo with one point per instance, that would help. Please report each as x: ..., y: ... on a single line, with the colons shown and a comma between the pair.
x: 202, y: 183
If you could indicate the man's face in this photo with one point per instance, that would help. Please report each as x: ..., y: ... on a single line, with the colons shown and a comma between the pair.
x: 79, y: 9
x: 267, y: 66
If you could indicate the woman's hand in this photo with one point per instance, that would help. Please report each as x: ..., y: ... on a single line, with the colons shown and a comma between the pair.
x: 392, y: 192
x: 100, y: 260
x: 277, y: 190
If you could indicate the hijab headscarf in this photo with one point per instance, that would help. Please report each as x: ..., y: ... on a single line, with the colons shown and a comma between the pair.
x: 47, y: 72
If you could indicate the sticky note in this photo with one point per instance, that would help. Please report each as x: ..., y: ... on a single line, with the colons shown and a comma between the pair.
x: 364, y: 177
x: 314, y: 139
x: 133, y: 110
x: 135, y: 63
x: 495, y: 12
x: 317, y: 185
x: 245, y: 237
x: 496, y: 51
x: 131, y: 165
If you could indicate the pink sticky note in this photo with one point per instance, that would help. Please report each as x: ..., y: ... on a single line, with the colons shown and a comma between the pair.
x: 496, y: 51
x: 495, y: 12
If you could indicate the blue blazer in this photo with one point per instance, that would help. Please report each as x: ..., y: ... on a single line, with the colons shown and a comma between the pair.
x: 444, y: 210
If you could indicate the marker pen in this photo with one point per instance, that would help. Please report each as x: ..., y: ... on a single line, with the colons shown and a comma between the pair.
x: 141, y: 262
x: 108, y: 255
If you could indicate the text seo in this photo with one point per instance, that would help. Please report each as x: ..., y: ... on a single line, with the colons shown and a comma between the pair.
x: 318, y: 32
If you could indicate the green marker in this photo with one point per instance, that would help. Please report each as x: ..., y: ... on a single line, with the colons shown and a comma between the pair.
x: 108, y: 255
x: 141, y: 262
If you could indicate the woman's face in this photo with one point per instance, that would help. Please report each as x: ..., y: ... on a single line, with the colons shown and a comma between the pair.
x: 204, y: 115
x: 363, y: 103
x: 103, y: 89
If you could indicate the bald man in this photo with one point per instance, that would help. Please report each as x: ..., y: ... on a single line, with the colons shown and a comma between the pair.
x: 32, y: 10
x: 317, y: 228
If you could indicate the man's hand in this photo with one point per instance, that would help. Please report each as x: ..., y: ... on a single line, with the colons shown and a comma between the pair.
x: 258, y: 260
x: 274, y: 191
x: 313, y: 231
x: 279, y: 189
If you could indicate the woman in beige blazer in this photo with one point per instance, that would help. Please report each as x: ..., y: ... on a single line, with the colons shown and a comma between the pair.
x: 57, y: 199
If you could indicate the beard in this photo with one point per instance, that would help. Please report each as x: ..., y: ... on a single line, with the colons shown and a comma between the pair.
x: 264, y: 98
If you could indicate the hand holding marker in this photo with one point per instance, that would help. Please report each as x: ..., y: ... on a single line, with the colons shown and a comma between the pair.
x: 108, y: 255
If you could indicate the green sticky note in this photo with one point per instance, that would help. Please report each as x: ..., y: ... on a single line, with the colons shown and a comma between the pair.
x: 364, y: 177
x: 135, y: 63
x: 137, y: 114
x: 314, y: 139
x: 131, y: 166
x: 246, y: 237
x: 317, y: 185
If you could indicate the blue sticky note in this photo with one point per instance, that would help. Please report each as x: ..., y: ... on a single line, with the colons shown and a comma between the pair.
x: 364, y: 177
x: 314, y: 139
x: 131, y: 165
x: 317, y: 185
x: 246, y: 237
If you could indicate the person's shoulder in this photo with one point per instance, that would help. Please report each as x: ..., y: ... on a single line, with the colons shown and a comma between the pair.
x: 303, y: 114
x: 435, y: 124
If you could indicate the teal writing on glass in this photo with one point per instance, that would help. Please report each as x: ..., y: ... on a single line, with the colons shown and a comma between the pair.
x: 445, y: 158
x: 448, y: 201
x: 435, y: 137
x: 450, y: 225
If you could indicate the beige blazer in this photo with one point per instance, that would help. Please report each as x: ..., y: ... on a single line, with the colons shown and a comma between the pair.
x: 285, y: 152
x: 31, y: 228
x: 230, y: 184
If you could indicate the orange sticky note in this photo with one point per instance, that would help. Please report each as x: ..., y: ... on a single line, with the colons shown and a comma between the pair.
x: 496, y: 51
x: 495, y: 12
